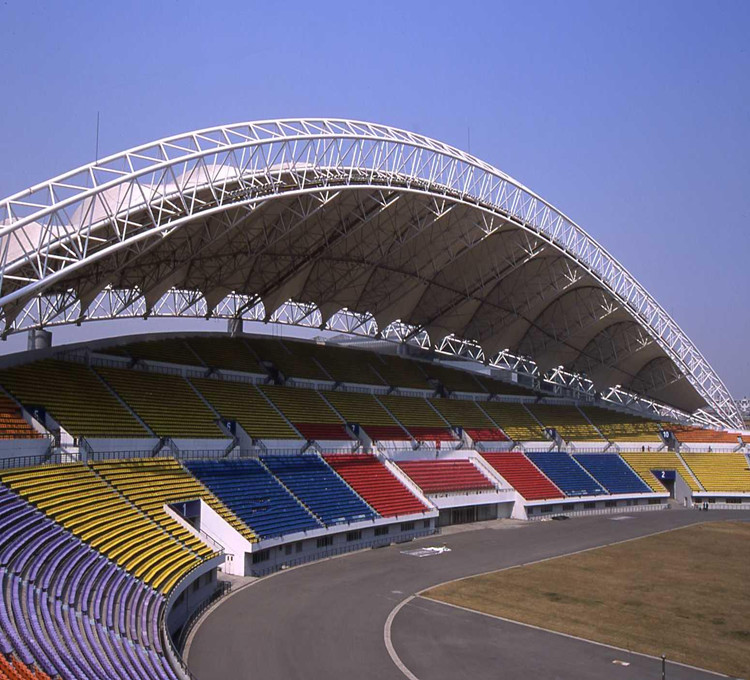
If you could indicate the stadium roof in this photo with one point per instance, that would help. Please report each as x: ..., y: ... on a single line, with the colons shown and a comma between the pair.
x: 364, y: 228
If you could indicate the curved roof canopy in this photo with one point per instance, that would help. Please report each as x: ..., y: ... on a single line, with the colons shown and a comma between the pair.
x: 399, y: 230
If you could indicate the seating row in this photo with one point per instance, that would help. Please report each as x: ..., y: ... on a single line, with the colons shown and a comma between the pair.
x: 446, y: 476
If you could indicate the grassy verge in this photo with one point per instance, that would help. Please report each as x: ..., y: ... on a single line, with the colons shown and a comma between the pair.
x: 685, y: 593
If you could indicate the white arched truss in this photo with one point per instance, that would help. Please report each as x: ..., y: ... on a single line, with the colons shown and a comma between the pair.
x: 157, y: 231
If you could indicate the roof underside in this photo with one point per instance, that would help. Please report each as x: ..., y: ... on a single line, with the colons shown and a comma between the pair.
x: 448, y: 262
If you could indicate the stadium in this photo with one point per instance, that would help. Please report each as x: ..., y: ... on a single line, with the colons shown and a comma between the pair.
x: 419, y: 353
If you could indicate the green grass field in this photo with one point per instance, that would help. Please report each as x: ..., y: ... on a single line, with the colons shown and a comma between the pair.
x: 685, y: 593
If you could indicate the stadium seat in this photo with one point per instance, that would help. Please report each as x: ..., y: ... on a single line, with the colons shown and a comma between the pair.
x: 344, y: 365
x: 254, y: 495
x: 612, y: 472
x: 446, y: 476
x: 468, y: 415
x: 452, y: 379
x: 244, y: 403
x: 418, y: 417
x: 374, y: 482
x: 81, y: 501
x: 12, y: 423
x: 152, y: 483
x: 720, y: 471
x: 569, y: 422
x: 523, y: 475
x: 514, y: 419
x: 399, y: 372
x: 308, y: 412
x: 68, y: 611
x: 314, y: 483
x: 66, y: 390
x: 223, y: 353
x: 644, y: 462
x: 697, y: 435
x: 366, y: 411
x: 282, y: 355
x: 155, y: 396
x: 622, y: 427
x: 566, y: 474
x: 166, y: 350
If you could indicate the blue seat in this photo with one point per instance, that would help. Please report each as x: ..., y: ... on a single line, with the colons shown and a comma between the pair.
x: 612, y: 472
x: 569, y: 477
x: 309, y: 478
x: 249, y: 490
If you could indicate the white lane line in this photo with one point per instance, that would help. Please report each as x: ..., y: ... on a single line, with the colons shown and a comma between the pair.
x: 566, y: 635
x: 389, y: 644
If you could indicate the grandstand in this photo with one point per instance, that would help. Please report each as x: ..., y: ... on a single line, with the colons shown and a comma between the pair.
x: 308, y: 412
x: 566, y: 474
x: 514, y: 419
x: 153, y: 397
x: 446, y: 476
x: 469, y: 416
x: 418, y: 417
x: 569, y: 422
x: 243, y: 403
x: 165, y: 459
x: 523, y: 475
x: 720, y: 472
x: 66, y: 390
x: 365, y: 410
x: 376, y: 484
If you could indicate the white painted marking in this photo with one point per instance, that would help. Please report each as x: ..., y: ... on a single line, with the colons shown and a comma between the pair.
x: 389, y: 644
x: 615, y: 519
x: 426, y: 552
x: 621, y: 663
x: 566, y: 635
x: 397, y: 592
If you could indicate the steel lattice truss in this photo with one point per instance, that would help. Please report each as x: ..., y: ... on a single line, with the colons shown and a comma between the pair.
x: 354, y: 227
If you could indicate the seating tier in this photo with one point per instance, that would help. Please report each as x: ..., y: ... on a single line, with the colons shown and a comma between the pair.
x: 569, y: 422
x: 453, y: 379
x: 12, y: 423
x: 342, y: 364
x: 314, y: 483
x: 69, y: 610
x: 78, y: 499
x: 366, y: 410
x: 698, y: 435
x: 522, y: 475
x: 566, y: 474
x: 644, y: 462
x: 399, y: 372
x: 167, y: 350
x: 166, y: 403
x: 622, y: 427
x: 446, y: 476
x: 67, y: 390
x: 225, y: 353
x: 307, y: 411
x: 283, y: 357
x: 612, y: 473
x: 370, y: 478
x: 243, y: 403
x: 152, y: 483
x: 417, y: 416
x: 254, y: 495
x: 514, y: 419
x: 469, y: 416
x: 720, y: 471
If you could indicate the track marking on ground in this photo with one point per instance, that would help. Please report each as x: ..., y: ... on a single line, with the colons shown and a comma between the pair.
x: 620, y: 663
x: 621, y: 517
x: 572, y: 637
x: 406, y: 672
x: 389, y: 643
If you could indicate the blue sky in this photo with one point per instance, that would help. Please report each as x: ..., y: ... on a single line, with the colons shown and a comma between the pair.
x: 631, y: 117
